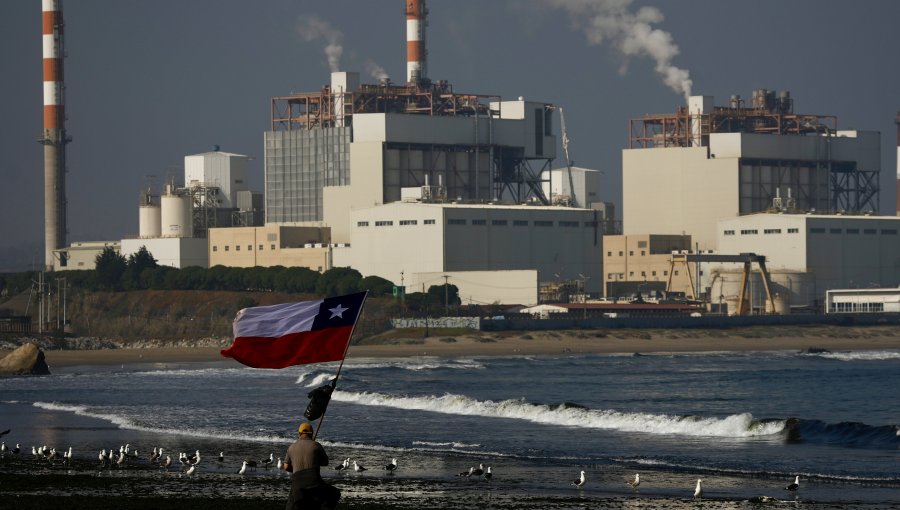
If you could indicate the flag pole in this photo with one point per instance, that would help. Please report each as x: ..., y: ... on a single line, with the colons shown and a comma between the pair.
x: 341, y: 366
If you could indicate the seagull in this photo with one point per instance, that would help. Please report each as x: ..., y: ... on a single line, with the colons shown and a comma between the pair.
x: 267, y: 463
x: 278, y: 463
x: 195, y: 458
x: 580, y: 481
x: 794, y: 486
x: 251, y: 464
x: 3, y: 449
x: 190, y: 470
x: 634, y: 483
x: 488, y: 474
x: 67, y: 456
x: 121, y: 460
x: 103, y: 457
x: 53, y: 455
x: 390, y: 467
x: 165, y: 465
x: 698, y: 491
x: 477, y: 471
x: 17, y: 449
x: 343, y: 465
x: 221, y: 456
x: 358, y: 467
x: 154, y: 455
x: 466, y: 473
x: 243, y: 468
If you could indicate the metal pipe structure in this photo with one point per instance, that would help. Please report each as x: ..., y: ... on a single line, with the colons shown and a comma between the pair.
x: 416, y: 54
x: 54, y: 138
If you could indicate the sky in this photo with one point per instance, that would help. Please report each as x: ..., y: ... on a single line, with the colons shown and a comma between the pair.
x: 149, y: 82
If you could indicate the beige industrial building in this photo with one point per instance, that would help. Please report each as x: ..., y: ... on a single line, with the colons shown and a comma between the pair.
x: 82, y: 255
x: 641, y: 263
x: 272, y: 245
x: 807, y: 254
x: 686, y: 171
x: 399, y: 239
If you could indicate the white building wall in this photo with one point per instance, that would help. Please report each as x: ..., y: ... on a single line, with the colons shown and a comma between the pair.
x: 587, y: 184
x: 178, y: 252
x: 677, y: 191
x: 222, y: 169
x: 365, y: 190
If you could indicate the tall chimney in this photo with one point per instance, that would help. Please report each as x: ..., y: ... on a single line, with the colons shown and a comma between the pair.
x: 54, y: 137
x: 416, y: 54
x: 898, y: 163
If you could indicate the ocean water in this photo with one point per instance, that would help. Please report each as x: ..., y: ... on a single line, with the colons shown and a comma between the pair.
x: 746, y: 423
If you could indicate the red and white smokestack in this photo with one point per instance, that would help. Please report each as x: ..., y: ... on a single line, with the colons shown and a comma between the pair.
x: 416, y: 54
x: 54, y: 138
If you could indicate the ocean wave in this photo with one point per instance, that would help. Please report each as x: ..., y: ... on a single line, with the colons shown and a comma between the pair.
x: 848, y: 434
x: 417, y: 364
x: 129, y: 424
x: 859, y: 355
x: 734, y: 426
x: 452, y: 444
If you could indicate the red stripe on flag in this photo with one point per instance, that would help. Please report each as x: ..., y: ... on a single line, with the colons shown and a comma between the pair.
x: 292, y: 349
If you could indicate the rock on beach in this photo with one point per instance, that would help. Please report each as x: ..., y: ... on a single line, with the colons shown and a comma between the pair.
x: 26, y: 360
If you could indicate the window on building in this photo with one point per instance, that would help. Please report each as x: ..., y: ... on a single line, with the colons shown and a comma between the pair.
x: 362, y: 223
x: 215, y: 248
x: 643, y: 273
x: 479, y: 222
x: 642, y: 244
x: 834, y: 231
x: 889, y: 231
x: 272, y: 247
x: 729, y: 232
x: 498, y: 223
x: 568, y: 223
x: 653, y: 273
x: 853, y: 231
x: 665, y: 273
x: 226, y: 248
x: 384, y: 223
x: 609, y: 254
x: 590, y: 224
x: 749, y: 232
x: 772, y: 231
x: 620, y: 253
x: 237, y: 247
x: 249, y: 247
x: 631, y: 253
x: 793, y: 231
x: 817, y: 231
x: 260, y: 247
x: 428, y: 222
x: 520, y: 223
x: 869, y: 231
x: 543, y: 223
x: 630, y: 273
x: 609, y: 276
x: 409, y: 222
x: 455, y: 221
x: 675, y: 273
x: 643, y: 253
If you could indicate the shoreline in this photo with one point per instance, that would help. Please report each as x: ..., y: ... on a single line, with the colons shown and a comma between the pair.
x: 547, y: 343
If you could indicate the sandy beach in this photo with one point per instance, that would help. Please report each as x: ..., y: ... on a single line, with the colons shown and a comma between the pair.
x: 545, y: 343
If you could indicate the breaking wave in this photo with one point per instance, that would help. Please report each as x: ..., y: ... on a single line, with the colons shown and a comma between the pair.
x: 734, y: 426
x: 860, y: 355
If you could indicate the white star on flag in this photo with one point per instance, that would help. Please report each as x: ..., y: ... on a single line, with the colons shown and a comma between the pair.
x: 337, y: 311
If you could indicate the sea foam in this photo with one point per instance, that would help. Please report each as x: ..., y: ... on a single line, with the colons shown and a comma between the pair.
x: 734, y: 426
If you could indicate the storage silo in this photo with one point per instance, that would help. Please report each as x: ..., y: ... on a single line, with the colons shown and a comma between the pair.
x: 149, y: 218
x: 176, y: 217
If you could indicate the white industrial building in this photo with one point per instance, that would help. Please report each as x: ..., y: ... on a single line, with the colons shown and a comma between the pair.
x: 225, y: 171
x: 808, y: 254
x: 177, y: 252
x: 583, y: 190
x: 397, y: 240
x: 862, y: 300
x: 686, y: 171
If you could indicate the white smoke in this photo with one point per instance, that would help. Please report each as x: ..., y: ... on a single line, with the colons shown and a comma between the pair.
x: 312, y: 28
x: 376, y: 71
x: 632, y: 33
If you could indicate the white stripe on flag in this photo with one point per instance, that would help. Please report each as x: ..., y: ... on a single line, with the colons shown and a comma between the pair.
x: 276, y: 320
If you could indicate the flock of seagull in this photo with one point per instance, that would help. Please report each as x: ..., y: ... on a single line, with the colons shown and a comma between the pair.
x: 125, y: 454
x: 698, y: 489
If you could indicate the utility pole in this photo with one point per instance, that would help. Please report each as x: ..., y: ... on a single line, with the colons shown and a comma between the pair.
x: 446, y: 296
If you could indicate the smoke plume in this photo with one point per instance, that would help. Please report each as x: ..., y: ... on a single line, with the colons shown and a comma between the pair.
x: 313, y: 28
x: 632, y: 33
x: 376, y: 71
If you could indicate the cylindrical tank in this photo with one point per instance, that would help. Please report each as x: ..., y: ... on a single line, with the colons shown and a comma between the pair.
x: 795, y: 288
x: 149, y: 221
x: 175, y: 215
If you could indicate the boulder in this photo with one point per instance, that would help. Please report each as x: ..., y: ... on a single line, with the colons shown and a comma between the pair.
x: 26, y: 360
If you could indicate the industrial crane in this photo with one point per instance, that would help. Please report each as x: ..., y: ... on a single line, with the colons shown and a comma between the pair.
x: 565, y: 144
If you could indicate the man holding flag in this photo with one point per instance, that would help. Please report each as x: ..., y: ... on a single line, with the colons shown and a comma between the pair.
x: 288, y: 334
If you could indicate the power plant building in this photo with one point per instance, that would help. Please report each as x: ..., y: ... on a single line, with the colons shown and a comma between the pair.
x: 686, y: 171
x: 400, y: 238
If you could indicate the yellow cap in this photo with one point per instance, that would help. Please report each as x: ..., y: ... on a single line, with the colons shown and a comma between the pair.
x: 305, y: 428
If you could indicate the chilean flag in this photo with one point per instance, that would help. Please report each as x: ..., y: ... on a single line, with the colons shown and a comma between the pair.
x: 280, y: 336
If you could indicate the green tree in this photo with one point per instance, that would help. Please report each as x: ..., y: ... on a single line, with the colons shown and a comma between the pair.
x: 377, y: 286
x: 439, y: 294
x: 111, y: 266
x: 337, y: 281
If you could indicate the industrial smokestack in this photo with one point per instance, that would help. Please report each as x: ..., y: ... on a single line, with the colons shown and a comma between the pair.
x: 416, y: 54
x: 898, y: 163
x: 54, y: 138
